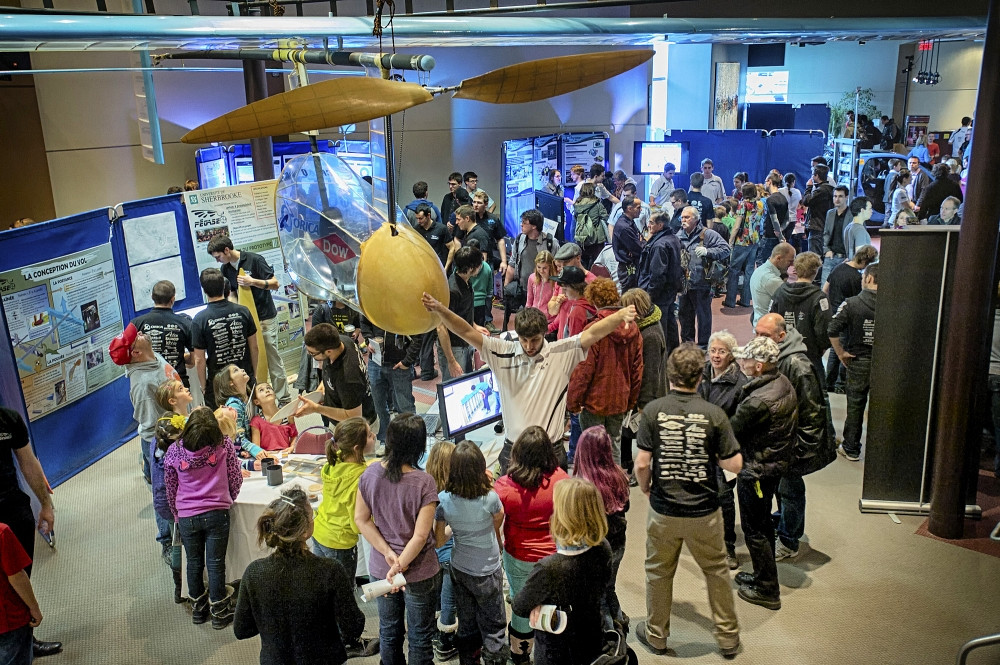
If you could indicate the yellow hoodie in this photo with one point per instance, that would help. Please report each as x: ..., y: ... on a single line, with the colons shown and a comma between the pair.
x: 334, y: 526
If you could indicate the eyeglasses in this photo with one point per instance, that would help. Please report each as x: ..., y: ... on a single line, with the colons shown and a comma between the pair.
x: 317, y: 355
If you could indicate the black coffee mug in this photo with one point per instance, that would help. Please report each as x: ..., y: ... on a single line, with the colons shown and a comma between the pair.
x: 274, y: 474
x: 264, y: 463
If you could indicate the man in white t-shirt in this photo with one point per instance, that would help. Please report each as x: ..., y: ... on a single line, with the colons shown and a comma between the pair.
x: 531, y: 373
x: 959, y: 137
x: 713, y: 188
x: 659, y: 193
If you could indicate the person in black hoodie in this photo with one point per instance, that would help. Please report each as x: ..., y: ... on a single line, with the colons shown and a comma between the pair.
x: 660, y: 274
x: 764, y: 424
x: 815, y: 441
x: 390, y: 370
x: 855, y: 321
x: 805, y: 307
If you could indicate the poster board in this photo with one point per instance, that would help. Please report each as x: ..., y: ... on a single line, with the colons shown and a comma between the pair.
x: 61, y: 315
x: 246, y: 214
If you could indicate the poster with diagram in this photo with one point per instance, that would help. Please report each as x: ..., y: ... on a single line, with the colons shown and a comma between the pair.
x: 62, y: 314
x: 245, y: 213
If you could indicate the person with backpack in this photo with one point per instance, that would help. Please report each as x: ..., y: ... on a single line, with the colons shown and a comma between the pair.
x: 591, y: 218
x: 527, y: 245
x: 699, y: 247
x: 890, y: 133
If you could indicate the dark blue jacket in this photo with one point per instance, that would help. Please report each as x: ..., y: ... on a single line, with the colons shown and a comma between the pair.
x: 627, y: 246
x: 410, y: 211
x: 660, y: 267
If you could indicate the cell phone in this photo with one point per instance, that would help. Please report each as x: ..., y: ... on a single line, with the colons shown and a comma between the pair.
x: 50, y: 537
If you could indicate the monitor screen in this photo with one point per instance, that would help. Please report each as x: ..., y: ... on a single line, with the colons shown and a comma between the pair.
x: 468, y: 402
x: 767, y: 87
x: 648, y: 157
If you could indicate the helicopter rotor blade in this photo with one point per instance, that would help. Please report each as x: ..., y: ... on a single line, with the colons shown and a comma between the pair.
x: 329, y: 103
x: 541, y: 79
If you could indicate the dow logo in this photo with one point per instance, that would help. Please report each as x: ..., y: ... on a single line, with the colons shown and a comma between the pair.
x: 334, y: 248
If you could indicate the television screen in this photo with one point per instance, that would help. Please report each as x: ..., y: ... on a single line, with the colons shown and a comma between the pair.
x: 767, y: 87
x: 648, y: 157
x: 468, y: 402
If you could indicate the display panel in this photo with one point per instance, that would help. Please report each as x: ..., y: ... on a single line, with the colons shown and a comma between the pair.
x: 648, y: 157
x: 469, y: 402
x: 767, y: 87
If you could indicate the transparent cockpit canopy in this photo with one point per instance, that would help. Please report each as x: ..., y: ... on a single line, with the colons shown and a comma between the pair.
x: 324, y: 214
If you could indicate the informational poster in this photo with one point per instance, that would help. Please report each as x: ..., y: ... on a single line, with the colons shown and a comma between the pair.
x: 62, y: 314
x: 145, y: 276
x: 916, y: 126
x: 584, y: 149
x: 546, y: 149
x: 245, y: 213
x: 153, y: 249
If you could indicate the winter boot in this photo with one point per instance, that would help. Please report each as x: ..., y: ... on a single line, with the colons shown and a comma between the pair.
x: 520, y: 646
x: 199, y: 609
x: 470, y: 650
x: 445, y: 644
x: 178, y: 596
x: 223, y: 610
x: 499, y: 658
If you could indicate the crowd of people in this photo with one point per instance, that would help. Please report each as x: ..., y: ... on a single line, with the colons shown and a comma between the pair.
x: 602, y: 358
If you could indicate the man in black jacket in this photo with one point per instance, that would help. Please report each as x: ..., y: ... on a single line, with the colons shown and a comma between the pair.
x: 764, y: 424
x: 815, y: 443
x: 660, y: 273
x: 390, y: 370
x: 818, y: 198
x: 855, y: 321
x: 805, y: 307
x: 934, y: 194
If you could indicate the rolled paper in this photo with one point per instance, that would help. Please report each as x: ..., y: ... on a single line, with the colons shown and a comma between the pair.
x: 373, y: 590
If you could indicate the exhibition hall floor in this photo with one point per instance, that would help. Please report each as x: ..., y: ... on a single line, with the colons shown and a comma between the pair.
x: 862, y: 590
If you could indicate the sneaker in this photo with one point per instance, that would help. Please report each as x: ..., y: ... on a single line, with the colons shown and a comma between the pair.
x: 640, y: 634
x: 632, y: 480
x: 781, y: 551
x: 364, y: 647
x: 492, y: 328
x: 853, y: 457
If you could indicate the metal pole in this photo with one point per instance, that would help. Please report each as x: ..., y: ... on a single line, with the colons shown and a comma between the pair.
x: 420, y: 63
x: 971, y: 298
x: 261, y: 149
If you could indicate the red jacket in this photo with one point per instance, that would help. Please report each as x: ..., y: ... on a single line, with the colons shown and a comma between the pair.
x: 608, y: 381
x: 572, y: 318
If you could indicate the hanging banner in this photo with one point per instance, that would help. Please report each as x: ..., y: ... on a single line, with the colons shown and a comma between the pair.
x: 62, y: 314
x: 245, y: 213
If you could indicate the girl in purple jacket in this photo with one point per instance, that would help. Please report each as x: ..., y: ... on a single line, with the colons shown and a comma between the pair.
x: 202, y: 477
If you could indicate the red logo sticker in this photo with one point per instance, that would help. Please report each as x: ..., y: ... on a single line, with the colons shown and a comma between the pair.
x: 334, y: 248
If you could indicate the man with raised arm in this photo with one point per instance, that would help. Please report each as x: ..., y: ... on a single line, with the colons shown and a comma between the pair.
x: 532, y: 374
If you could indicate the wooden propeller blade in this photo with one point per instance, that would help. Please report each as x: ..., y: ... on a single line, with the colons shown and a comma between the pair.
x: 329, y: 103
x: 542, y: 79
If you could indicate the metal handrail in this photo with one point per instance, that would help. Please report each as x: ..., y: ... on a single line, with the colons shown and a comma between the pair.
x: 985, y: 641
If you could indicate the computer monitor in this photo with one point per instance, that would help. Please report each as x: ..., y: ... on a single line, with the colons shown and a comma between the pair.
x: 468, y: 402
x: 648, y: 157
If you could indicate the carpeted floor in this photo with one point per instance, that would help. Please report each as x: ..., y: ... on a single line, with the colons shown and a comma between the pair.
x: 862, y: 590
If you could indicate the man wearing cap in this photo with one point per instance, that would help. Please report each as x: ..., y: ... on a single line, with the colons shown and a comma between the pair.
x: 146, y: 370
x: 855, y: 322
x: 764, y: 424
x: 682, y: 441
x: 815, y: 441
x: 222, y: 334
x: 660, y: 273
x: 259, y: 276
x: 532, y: 374
x: 168, y: 332
x: 575, y: 310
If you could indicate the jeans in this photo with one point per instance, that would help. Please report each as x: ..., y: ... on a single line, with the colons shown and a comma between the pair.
x: 835, y: 372
x: 163, y: 533
x: 696, y: 304
x: 145, y: 450
x: 574, y: 436
x: 481, y: 611
x: 411, y: 610
x: 858, y: 375
x: 703, y: 536
x: 446, y: 604
x: 758, y: 531
x: 792, y: 497
x: 612, y: 608
x: 389, y: 385
x: 816, y: 241
x: 517, y: 574
x: 463, y: 354
x: 16, y: 647
x: 669, y: 324
x: 348, y: 558
x: 764, y: 248
x: 206, y: 539
x: 741, y: 263
x: 427, y: 345
x: 275, y: 365
x: 829, y: 263
x: 613, y: 425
